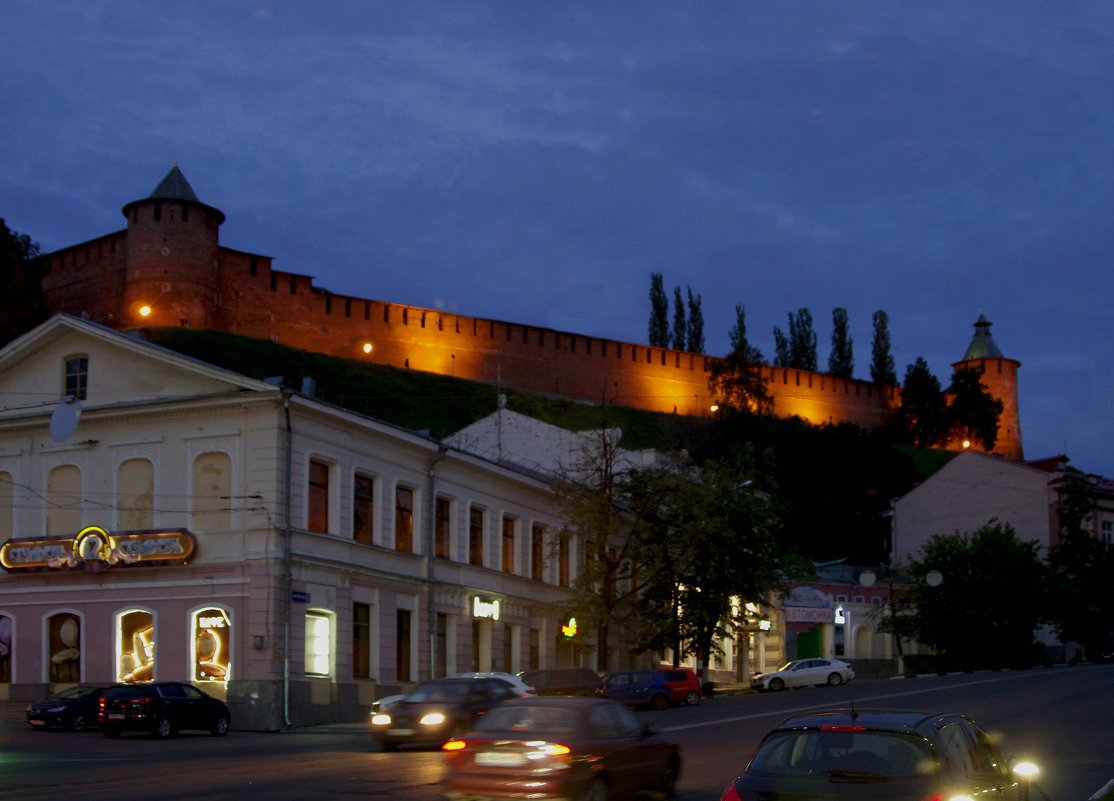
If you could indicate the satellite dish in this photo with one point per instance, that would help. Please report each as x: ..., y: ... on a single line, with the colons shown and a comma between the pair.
x: 63, y: 422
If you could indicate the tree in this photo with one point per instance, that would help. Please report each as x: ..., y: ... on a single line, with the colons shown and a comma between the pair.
x: 841, y: 361
x: 659, y: 312
x: 781, y: 348
x: 976, y: 617
x: 922, y: 415
x: 802, y: 341
x: 882, y: 362
x: 22, y: 304
x: 696, y: 324
x: 680, y: 328
x: 974, y: 412
x: 736, y: 380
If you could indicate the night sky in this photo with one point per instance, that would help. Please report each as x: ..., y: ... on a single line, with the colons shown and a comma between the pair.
x: 536, y: 161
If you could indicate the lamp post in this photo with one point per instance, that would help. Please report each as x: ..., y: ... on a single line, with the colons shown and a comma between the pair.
x: 933, y: 578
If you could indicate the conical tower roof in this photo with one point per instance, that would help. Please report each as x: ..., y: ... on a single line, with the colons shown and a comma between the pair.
x: 982, y: 343
x: 175, y: 187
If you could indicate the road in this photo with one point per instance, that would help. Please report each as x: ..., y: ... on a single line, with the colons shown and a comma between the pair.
x: 1060, y: 718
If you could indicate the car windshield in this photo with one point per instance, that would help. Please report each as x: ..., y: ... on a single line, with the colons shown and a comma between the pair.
x: 843, y: 755
x: 528, y: 718
x: 442, y: 693
x: 786, y: 666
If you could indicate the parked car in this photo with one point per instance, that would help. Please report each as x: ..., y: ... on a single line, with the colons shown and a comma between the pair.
x: 637, y: 688
x: 162, y: 708
x: 804, y: 672
x: 684, y: 686
x: 438, y: 709
x: 880, y: 755
x: 563, y: 681
x: 74, y: 708
x: 583, y: 748
x: 520, y: 687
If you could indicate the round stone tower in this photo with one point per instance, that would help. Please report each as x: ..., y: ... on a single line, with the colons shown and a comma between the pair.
x: 999, y: 375
x: 171, y: 267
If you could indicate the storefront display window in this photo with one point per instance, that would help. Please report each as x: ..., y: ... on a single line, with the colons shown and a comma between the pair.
x: 135, y: 657
x: 318, y: 649
x: 212, y: 644
x: 65, y: 648
x: 5, y: 649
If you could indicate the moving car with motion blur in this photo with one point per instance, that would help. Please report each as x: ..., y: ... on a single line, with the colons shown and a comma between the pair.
x: 161, y: 708
x: 563, y: 681
x: 74, y: 708
x: 804, y: 673
x: 590, y: 749
x: 436, y: 710
x: 879, y: 755
x: 521, y: 688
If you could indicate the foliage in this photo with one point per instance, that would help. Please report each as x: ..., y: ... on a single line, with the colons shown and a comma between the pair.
x: 993, y: 595
x: 781, y: 348
x: 973, y: 413
x: 798, y: 350
x: 22, y: 305
x: 841, y: 360
x: 882, y: 361
x: 922, y: 417
x: 696, y: 324
x: 659, y: 312
x: 680, y: 327
x: 736, y: 380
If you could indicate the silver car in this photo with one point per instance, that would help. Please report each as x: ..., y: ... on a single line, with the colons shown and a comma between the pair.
x: 804, y: 672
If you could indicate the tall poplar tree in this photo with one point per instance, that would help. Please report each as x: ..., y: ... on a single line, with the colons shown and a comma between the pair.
x: 802, y: 340
x: 696, y: 324
x: 659, y: 312
x: 680, y: 327
x: 841, y: 360
x: 882, y: 370
x: 781, y: 348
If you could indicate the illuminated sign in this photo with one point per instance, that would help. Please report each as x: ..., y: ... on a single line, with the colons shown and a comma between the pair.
x: 485, y: 609
x: 569, y: 630
x: 840, y: 616
x: 95, y: 549
x: 211, y: 644
x: 764, y: 625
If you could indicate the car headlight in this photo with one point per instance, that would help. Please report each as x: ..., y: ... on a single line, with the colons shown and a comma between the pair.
x: 432, y: 719
x: 380, y: 720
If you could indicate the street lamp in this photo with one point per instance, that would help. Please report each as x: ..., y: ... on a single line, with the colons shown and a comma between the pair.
x: 933, y: 578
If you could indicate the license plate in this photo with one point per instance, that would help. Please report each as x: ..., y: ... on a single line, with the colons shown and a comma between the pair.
x: 502, y: 758
x: 115, y: 716
x: 400, y: 732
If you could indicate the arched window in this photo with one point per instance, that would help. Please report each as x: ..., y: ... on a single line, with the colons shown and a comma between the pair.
x: 211, y: 644
x: 64, y: 645
x: 63, y: 495
x: 135, y: 645
x: 135, y: 492
x: 212, y: 490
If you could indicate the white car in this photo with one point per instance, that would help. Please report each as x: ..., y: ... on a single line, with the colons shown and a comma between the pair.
x: 804, y: 672
x: 523, y: 689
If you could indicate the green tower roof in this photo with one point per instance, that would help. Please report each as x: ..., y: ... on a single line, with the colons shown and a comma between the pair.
x: 982, y: 344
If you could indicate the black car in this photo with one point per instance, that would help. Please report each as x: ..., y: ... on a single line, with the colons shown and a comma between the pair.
x: 162, y: 708
x: 564, y: 681
x: 74, y: 708
x: 436, y: 710
x: 879, y: 754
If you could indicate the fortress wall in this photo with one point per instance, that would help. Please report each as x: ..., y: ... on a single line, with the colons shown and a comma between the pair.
x: 88, y: 279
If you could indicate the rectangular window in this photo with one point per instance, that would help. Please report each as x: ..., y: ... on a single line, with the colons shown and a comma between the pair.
x: 404, y: 519
x: 77, y: 377
x: 441, y: 664
x: 509, y: 524
x: 563, y: 562
x: 318, y: 649
x: 318, y: 501
x: 537, y: 552
x: 443, y: 528
x: 402, y: 645
x: 363, y: 508
x: 535, y: 649
x: 361, y: 641
x: 476, y: 537
x: 1107, y: 532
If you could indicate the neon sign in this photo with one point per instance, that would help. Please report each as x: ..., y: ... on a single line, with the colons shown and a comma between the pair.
x: 485, y: 609
x: 94, y: 549
x: 569, y: 630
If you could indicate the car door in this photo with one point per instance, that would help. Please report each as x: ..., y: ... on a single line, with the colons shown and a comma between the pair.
x: 613, y: 743
x: 800, y: 674
x: 969, y: 764
x: 617, y: 687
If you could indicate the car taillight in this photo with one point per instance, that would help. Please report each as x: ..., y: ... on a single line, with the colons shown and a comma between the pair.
x: 100, y: 703
x: 453, y: 745
x: 555, y: 749
x: 730, y: 794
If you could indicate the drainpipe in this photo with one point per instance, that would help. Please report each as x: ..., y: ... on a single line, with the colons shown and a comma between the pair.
x: 431, y: 545
x: 286, y: 565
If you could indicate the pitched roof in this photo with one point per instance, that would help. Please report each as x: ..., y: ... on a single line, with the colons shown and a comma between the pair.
x: 982, y: 344
x: 174, y: 187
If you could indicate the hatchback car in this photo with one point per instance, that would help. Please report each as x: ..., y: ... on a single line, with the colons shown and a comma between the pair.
x: 684, y: 686
x: 438, y: 709
x: 74, y: 708
x: 563, y: 681
x: 637, y: 688
x: 879, y: 754
x: 549, y: 748
x: 803, y: 673
x: 162, y: 708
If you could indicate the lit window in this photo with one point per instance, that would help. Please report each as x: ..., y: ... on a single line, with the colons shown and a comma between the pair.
x: 65, y: 648
x: 212, y: 644
x: 135, y: 649
x: 318, y: 645
x: 77, y: 376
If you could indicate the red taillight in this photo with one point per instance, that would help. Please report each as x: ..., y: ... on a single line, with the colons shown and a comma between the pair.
x: 842, y: 728
x: 453, y: 745
x: 730, y: 794
x: 100, y: 703
x: 556, y: 749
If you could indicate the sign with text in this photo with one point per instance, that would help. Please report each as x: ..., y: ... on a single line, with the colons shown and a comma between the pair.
x: 94, y: 549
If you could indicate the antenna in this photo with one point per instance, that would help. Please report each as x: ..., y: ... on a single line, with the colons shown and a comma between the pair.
x: 63, y: 421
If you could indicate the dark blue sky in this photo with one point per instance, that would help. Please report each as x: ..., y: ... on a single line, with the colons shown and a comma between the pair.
x: 535, y: 162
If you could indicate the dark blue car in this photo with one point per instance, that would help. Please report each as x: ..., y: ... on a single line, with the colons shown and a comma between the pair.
x: 637, y: 688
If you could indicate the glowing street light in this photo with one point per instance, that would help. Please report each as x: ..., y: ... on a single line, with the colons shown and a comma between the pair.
x: 144, y: 311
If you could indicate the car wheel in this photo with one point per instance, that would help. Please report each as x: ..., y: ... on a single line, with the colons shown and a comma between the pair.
x: 667, y: 786
x: 220, y: 726
x: 777, y: 685
x: 77, y: 723
x: 111, y: 732
x: 659, y: 702
x: 595, y: 790
x: 163, y: 728
x: 834, y: 680
x: 692, y: 698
